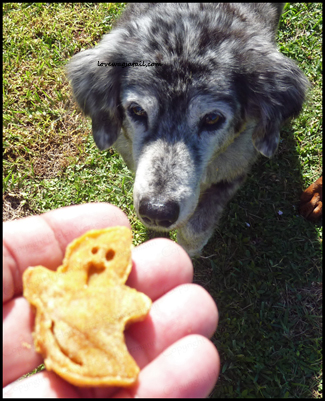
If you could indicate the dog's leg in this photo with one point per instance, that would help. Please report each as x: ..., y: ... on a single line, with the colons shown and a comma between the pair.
x: 197, y: 232
x: 312, y: 201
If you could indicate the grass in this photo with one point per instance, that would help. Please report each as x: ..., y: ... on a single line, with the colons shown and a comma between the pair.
x: 262, y: 266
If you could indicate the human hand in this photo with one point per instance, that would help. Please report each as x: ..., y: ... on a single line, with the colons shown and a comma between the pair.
x: 170, y: 346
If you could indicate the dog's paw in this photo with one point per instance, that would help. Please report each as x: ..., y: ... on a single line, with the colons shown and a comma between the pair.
x: 311, y: 201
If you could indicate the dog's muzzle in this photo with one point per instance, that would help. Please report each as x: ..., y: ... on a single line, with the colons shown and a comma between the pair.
x: 155, y: 213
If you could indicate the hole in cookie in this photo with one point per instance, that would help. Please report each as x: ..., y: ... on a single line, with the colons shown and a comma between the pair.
x: 94, y: 270
x: 110, y: 254
x: 94, y: 250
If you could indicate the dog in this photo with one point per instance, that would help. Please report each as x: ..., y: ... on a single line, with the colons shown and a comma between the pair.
x: 189, y: 95
x: 311, y: 201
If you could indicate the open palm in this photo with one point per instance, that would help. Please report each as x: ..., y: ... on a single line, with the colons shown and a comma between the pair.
x: 170, y: 346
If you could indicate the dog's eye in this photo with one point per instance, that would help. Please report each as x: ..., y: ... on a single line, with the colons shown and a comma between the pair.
x: 212, y: 121
x: 212, y: 118
x: 138, y: 114
x: 138, y: 111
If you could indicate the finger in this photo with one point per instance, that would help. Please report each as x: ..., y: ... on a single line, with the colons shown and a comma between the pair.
x: 19, y: 355
x: 187, y: 309
x: 41, y: 240
x: 41, y: 385
x: 188, y: 368
x: 158, y: 266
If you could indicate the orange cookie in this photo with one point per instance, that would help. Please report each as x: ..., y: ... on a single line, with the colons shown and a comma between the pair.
x: 82, y: 310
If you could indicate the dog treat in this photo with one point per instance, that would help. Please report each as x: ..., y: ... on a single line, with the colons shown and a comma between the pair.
x: 83, y: 308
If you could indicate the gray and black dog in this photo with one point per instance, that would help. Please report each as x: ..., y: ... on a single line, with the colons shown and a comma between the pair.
x: 189, y: 94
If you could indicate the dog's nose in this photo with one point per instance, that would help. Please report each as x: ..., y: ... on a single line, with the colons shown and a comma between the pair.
x: 156, y: 213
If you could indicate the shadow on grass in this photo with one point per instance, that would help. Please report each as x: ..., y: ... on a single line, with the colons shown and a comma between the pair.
x: 263, y: 268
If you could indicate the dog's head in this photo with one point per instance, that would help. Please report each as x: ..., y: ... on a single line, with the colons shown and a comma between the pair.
x: 217, y: 75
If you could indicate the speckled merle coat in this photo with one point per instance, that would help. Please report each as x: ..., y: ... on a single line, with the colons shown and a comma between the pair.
x: 191, y: 127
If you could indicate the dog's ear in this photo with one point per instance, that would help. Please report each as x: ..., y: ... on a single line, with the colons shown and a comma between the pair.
x: 272, y: 91
x: 96, y: 87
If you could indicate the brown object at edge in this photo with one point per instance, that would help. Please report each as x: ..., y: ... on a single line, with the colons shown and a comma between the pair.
x: 83, y: 308
x: 311, y: 201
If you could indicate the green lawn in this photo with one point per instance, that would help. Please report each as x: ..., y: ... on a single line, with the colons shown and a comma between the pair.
x: 262, y: 266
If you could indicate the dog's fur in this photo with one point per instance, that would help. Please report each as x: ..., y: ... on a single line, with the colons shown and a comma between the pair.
x: 192, y: 127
